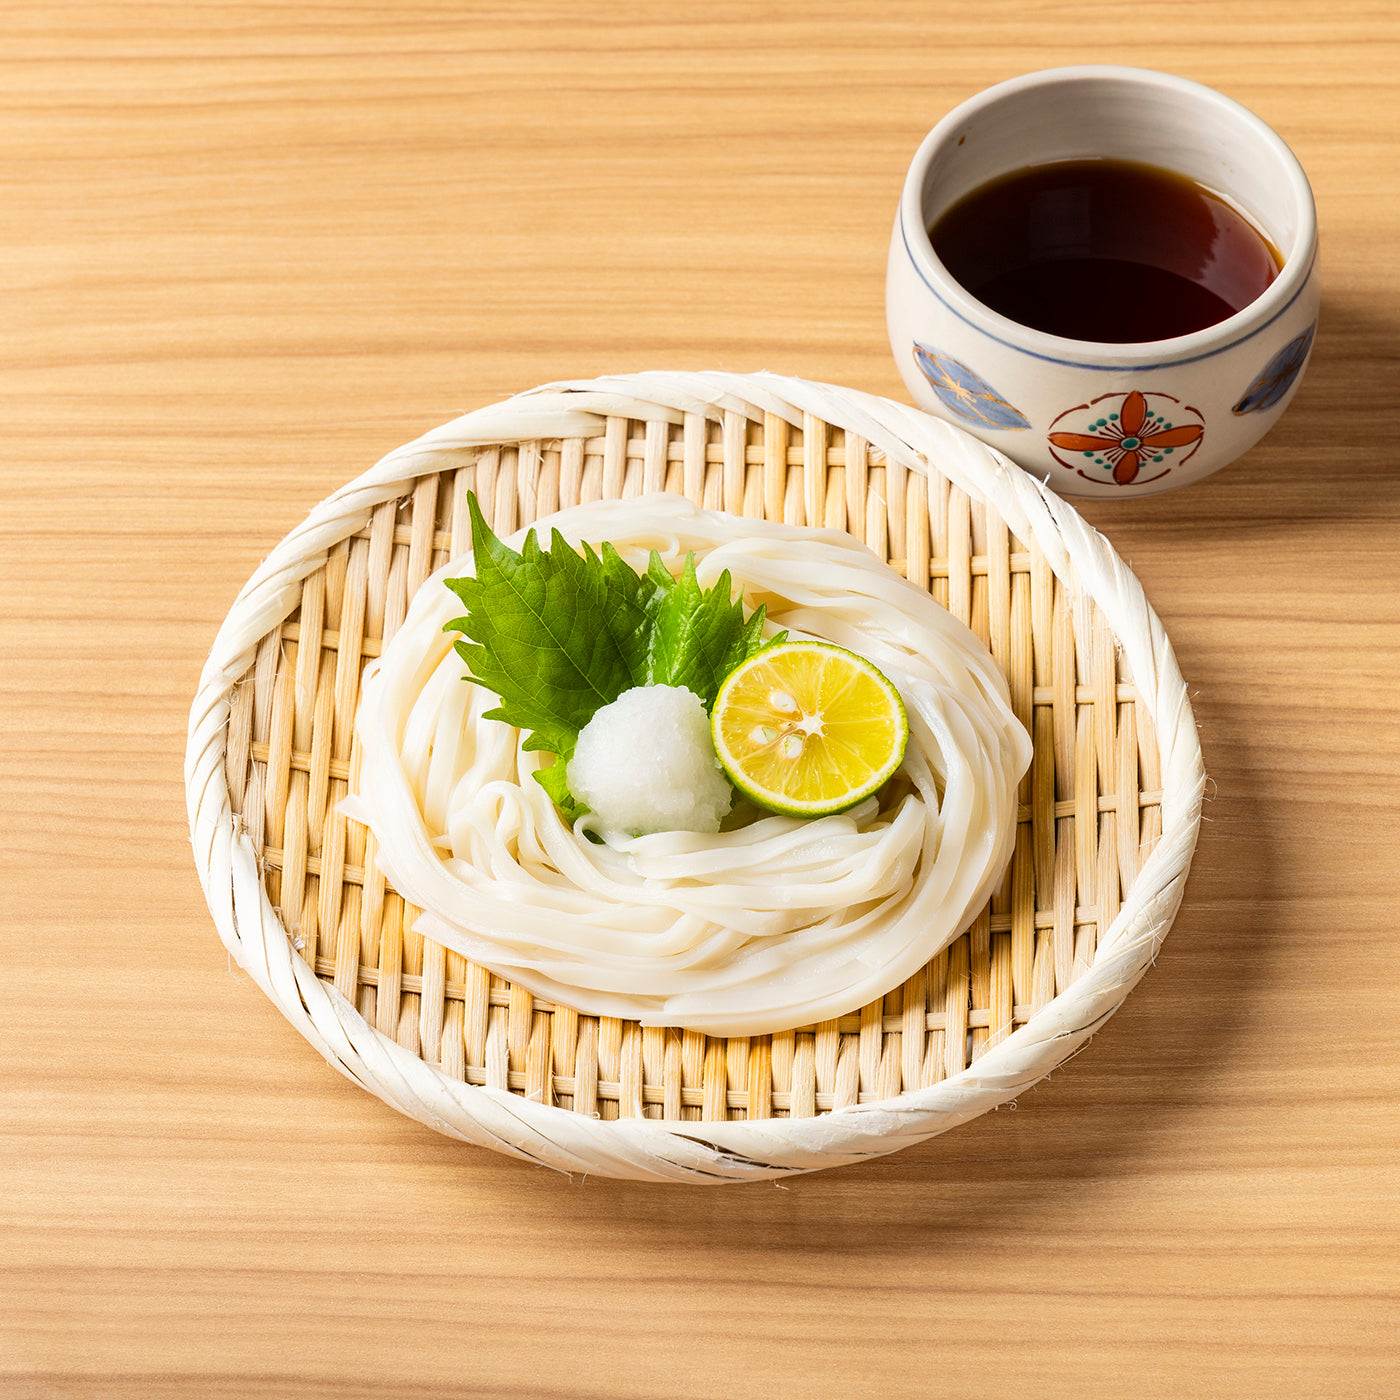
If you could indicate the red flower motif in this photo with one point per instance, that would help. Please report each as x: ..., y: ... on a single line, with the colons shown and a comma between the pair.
x: 1123, y: 442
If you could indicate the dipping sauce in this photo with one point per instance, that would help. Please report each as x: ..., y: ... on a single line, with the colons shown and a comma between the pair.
x: 1105, y: 250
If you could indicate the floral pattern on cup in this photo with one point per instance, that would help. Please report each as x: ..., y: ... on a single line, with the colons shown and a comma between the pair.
x: 1276, y: 378
x: 964, y: 392
x: 1125, y: 435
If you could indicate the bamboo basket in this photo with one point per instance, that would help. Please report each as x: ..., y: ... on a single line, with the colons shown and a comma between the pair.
x: 1107, y: 822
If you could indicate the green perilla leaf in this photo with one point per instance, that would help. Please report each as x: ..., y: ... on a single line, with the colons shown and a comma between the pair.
x: 554, y: 781
x: 536, y: 636
x: 699, y: 635
x: 557, y: 634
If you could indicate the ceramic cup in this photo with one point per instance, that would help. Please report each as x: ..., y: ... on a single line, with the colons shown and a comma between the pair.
x: 1097, y: 419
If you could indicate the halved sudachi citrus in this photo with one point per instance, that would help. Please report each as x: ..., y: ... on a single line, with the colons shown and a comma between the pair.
x: 808, y: 728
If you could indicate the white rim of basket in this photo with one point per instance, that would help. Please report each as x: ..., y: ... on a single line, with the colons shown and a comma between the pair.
x: 657, y: 1149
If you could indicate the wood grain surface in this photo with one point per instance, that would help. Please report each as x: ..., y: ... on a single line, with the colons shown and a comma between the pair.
x: 246, y: 249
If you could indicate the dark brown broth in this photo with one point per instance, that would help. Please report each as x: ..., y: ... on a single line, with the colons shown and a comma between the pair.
x: 1105, y: 250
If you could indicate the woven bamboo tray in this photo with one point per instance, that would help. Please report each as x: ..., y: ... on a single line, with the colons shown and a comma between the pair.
x: 1107, y: 822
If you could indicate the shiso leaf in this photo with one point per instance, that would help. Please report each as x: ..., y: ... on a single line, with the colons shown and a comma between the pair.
x: 533, y: 635
x: 555, y: 782
x: 629, y: 598
x: 557, y: 634
x: 699, y: 635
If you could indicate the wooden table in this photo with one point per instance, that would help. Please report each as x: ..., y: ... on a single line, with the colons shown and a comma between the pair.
x: 247, y: 249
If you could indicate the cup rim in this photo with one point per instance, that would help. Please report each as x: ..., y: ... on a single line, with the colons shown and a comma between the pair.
x: 1273, y: 302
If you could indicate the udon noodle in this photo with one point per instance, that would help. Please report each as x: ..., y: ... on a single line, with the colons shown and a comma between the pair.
x: 774, y: 922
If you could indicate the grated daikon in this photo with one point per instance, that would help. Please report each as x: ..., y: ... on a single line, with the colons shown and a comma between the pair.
x: 646, y: 763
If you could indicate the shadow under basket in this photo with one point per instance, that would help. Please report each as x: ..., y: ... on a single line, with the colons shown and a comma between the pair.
x: 1106, y: 825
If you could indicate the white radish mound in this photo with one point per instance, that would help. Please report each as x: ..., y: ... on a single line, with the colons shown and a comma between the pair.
x: 646, y: 763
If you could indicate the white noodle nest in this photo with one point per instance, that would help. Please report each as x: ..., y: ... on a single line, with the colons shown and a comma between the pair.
x: 779, y: 923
